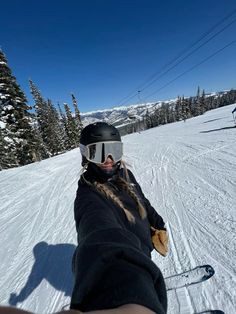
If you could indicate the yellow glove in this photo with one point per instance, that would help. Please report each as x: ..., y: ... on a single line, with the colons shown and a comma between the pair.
x: 160, y: 241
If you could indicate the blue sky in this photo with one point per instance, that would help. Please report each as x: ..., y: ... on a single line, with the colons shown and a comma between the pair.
x: 106, y: 50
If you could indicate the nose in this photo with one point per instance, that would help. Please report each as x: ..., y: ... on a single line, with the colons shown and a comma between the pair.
x: 109, y: 159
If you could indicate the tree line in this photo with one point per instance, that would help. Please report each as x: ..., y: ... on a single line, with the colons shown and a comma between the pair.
x: 181, y: 110
x: 32, y: 133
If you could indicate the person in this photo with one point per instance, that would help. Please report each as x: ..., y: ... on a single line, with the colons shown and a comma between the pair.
x: 234, y: 113
x: 117, y: 228
x: 114, y: 222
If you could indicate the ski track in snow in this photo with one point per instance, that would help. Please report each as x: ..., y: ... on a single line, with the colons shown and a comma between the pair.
x: 188, y: 176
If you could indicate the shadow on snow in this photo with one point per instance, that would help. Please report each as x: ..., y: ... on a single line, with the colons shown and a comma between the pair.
x: 52, y: 263
x: 214, y: 130
x: 213, y: 120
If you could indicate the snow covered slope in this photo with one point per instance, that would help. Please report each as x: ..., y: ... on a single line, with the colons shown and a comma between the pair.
x: 186, y: 169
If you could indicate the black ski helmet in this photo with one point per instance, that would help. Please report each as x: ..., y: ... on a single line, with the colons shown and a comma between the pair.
x: 99, y: 132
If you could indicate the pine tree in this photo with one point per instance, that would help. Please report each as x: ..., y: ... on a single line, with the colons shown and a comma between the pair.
x: 17, y: 133
x: 171, y: 114
x: 232, y: 96
x: 79, y: 124
x: 167, y: 113
x: 7, y: 159
x: 185, y: 108
x: 198, y: 104
x: 40, y: 151
x: 54, y: 131
x: 62, y: 116
x: 148, y: 120
x: 203, y: 107
x: 178, y: 107
x: 41, y: 109
x: 162, y: 115
x: 71, y: 129
x: 63, y: 125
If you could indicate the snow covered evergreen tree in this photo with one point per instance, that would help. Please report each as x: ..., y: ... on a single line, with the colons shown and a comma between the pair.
x: 63, y: 123
x: 49, y: 124
x: 6, y: 160
x: 203, y: 104
x: 170, y: 113
x: 79, y: 124
x: 162, y: 114
x: 199, y: 103
x: 55, y: 138
x: 71, y: 129
x: 148, y: 120
x: 185, y: 108
x: 178, y: 109
x: 17, y: 134
x: 41, y: 109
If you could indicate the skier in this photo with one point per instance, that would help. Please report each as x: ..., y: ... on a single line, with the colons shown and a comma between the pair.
x: 233, y: 113
x: 112, y: 263
x: 117, y: 228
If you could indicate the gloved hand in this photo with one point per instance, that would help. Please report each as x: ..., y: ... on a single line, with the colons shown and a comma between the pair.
x: 160, y: 241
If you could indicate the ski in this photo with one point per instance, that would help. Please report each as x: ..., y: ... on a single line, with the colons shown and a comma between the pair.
x: 189, y: 277
x: 67, y: 307
x: 211, y: 312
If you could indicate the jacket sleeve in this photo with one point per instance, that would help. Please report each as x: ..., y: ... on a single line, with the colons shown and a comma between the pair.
x: 154, y: 218
x: 109, y: 265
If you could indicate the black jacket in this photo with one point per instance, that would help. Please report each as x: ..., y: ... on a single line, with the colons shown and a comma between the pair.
x: 112, y: 263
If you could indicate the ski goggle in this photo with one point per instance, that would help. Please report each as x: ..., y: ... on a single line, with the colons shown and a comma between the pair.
x: 98, y: 152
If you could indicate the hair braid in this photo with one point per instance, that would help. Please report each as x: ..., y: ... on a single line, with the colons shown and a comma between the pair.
x: 123, y: 185
x: 127, y: 187
x: 104, y: 189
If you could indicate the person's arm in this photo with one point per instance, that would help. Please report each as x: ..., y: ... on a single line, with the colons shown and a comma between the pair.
x: 12, y: 310
x: 125, y: 309
x: 109, y: 265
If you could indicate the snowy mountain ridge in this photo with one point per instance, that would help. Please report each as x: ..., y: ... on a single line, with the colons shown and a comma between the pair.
x: 119, y: 115
x: 126, y: 114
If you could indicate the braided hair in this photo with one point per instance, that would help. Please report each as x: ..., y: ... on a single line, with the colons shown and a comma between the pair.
x: 122, y: 184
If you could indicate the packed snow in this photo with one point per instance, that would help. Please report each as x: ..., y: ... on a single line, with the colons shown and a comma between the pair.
x: 188, y: 172
x: 2, y: 125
